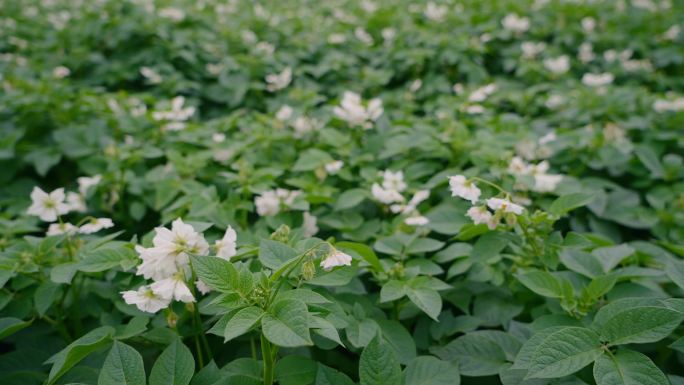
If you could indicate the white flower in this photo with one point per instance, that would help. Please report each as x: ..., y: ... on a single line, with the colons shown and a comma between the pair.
x: 61, y: 228
x: 176, y: 116
x: 480, y: 215
x: 279, y: 81
x: 415, y: 85
x: 664, y: 105
x: 352, y: 110
x: 546, y: 182
x: 457, y: 88
x: 226, y: 248
x: 435, y: 12
x: 481, y: 94
x: 531, y: 49
x: 334, y: 167
x: 303, y: 125
x: 218, y: 137
x: 475, y: 109
x: 156, y: 264
x: 504, y: 205
x: 597, y: 80
x: 386, y: 196
x: 264, y: 48
x: 151, y: 75
x: 388, y: 34
x: 284, y: 113
x: 309, y: 225
x: 586, y: 52
x: 76, y: 202
x: 554, y: 101
x: 202, y: 287
x: 337, y: 38
x: 588, y: 24
x: 86, y: 182
x: 393, y: 180
x: 363, y: 36
x: 269, y: 202
x: 518, y: 166
x: 335, y: 258
x: 173, y: 288
x: 672, y: 32
x: 462, y: 187
x: 60, y: 72
x: 559, y: 65
x: 515, y: 23
x: 416, y: 220
x: 173, y: 14
x: 95, y: 225
x: 145, y: 299
x: 47, y: 206
x: 548, y: 138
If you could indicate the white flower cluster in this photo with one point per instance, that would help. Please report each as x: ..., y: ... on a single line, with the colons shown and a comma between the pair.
x: 435, y: 12
x: 515, y: 23
x: 353, y: 111
x: 597, y: 80
x: 543, y: 182
x: 175, y: 117
x: 559, y: 65
x: 167, y: 264
x: 665, y: 105
x: 390, y: 193
x: 270, y: 202
x: 477, y: 96
x: 49, y: 207
x: 301, y: 124
x: 468, y: 190
x: 276, y: 82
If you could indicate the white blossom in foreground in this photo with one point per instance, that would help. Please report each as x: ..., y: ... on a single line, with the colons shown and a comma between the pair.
x: 480, y: 215
x: 173, y: 288
x: 334, y: 259
x: 76, y: 202
x: 504, y: 205
x: 597, y: 80
x: 462, y: 187
x: 515, y: 23
x: 559, y: 65
x: 334, y: 167
x: 48, y: 207
x: 353, y: 111
x: 386, y: 196
x: 393, y: 180
x: 270, y: 202
x: 95, y: 224
x: 309, y: 225
x: 145, y: 299
x: 226, y: 247
x: 276, y: 82
x: 61, y: 228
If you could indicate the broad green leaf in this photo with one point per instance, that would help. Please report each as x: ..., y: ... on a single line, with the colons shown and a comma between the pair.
x: 611, y: 256
x: 523, y: 359
x: 564, y: 352
x: 274, y: 254
x: 428, y: 370
x: 45, y: 295
x: 610, y: 310
x: 123, y: 366
x: 599, y: 286
x: 286, y: 324
x: 392, y: 290
x: 78, y: 350
x: 427, y: 300
x: 581, y: 262
x: 106, y: 257
x: 396, y: 335
x: 566, y: 203
x: 330, y: 376
x: 627, y: 367
x: 350, y: 198
x: 640, y: 325
x: 424, y: 245
x: 542, y: 283
x: 295, y: 370
x: 242, y: 322
x: 489, y: 245
x: 10, y: 325
x: 217, y: 273
x: 304, y: 295
x: 175, y: 366
x: 476, y: 355
x: 650, y: 159
x: 378, y: 365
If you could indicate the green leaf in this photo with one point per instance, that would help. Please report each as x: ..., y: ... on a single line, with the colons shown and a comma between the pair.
x: 242, y: 322
x: 286, y: 324
x: 611, y: 256
x: 379, y: 365
x: 582, y: 262
x: 564, y: 352
x: 640, y: 325
x: 363, y: 251
x: 10, y: 325
x: 627, y: 367
x: 476, y: 355
x: 329, y: 376
x: 45, y: 295
x: 274, y: 254
x: 489, y: 245
x: 392, y: 290
x: 424, y: 245
x: 396, y: 335
x: 78, y: 350
x: 427, y: 370
x: 295, y: 370
x: 123, y: 366
x: 217, y: 273
x: 175, y: 366
x: 350, y: 198
x: 106, y: 257
x: 427, y: 300
x: 523, y: 359
x: 566, y: 203
x: 650, y: 159
x: 598, y: 287
x: 542, y: 283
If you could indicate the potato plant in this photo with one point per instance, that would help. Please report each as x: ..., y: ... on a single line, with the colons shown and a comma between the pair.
x: 340, y: 192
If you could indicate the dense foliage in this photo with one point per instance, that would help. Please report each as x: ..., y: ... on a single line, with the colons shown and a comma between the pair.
x: 341, y: 192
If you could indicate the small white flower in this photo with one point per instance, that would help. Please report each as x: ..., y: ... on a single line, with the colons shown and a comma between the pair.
x: 386, y: 196
x: 86, y: 182
x: 515, y: 23
x: 672, y: 33
x: 393, y: 180
x: 597, y: 80
x: 151, y: 75
x: 335, y: 258
x: 559, y: 65
x: 531, y: 49
x: 504, y: 205
x: 174, y: 14
x: 61, y: 228
x: 416, y: 220
x: 226, y: 248
x: 548, y: 138
x: 481, y: 94
x: 202, y: 287
x: 337, y: 38
x: 352, y: 110
x: 363, y: 36
x: 388, y: 34
x: 518, y: 166
x: 415, y: 85
x: 309, y: 225
x: 586, y: 52
x: 334, y: 167
x: 554, y: 101
x: 48, y: 206
x: 176, y: 116
x: 284, y: 113
x: 60, y: 72
x: 435, y: 12
x: 475, y: 109
x: 303, y: 125
x: 218, y: 137
x: 546, y: 182
x: 76, y: 202
x: 664, y: 105
x: 462, y: 187
x: 588, y: 24
x: 270, y: 202
x: 145, y: 299
x: 276, y: 82
x: 173, y: 288
x: 480, y: 215
x: 95, y: 225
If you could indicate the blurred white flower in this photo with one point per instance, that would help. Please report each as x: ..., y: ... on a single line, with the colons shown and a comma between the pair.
x: 548, y: 138
x: 48, y: 207
x: 531, y: 49
x: 176, y: 116
x: 588, y: 24
x: 463, y: 188
x: 481, y: 94
x: 337, y: 38
x: 435, y: 12
x: 151, y: 75
x: 554, y: 101
x: 303, y: 125
x: 86, y: 182
x: 393, y: 180
x: 415, y: 85
x: 672, y: 33
x: 284, y: 112
x: 173, y: 288
x: 202, y: 287
x: 363, y: 36
x: 386, y: 196
x: 334, y: 259
x: 664, y: 105
x: 352, y: 110
x: 60, y: 72
x: 226, y: 247
x: 171, y: 13
x: 597, y: 80
x: 516, y: 24
x: 416, y: 220
x: 76, y: 202
x: 559, y: 65
x: 504, y: 205
x: 276, y: 82
x: 218, y: 137
x: 95, y: 224
x: 270, y: 202
x: 145, y: 299
x: 480, y: 215
x: 264, y: 48
x: 586, y: 52
x: 309, y: 225
x: 61, y: 228
x: 334, y: 167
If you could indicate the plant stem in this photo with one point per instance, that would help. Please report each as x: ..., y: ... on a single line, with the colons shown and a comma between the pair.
x: 268, y: 360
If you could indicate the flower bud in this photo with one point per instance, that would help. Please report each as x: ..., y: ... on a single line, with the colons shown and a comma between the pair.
x: 308, y: 270
x: 171, y: 318
x: 282, y: 234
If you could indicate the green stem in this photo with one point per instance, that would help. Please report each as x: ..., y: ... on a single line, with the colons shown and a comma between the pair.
x: 197, y: 340
x: 268, y: 360
x: 496, y: 186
